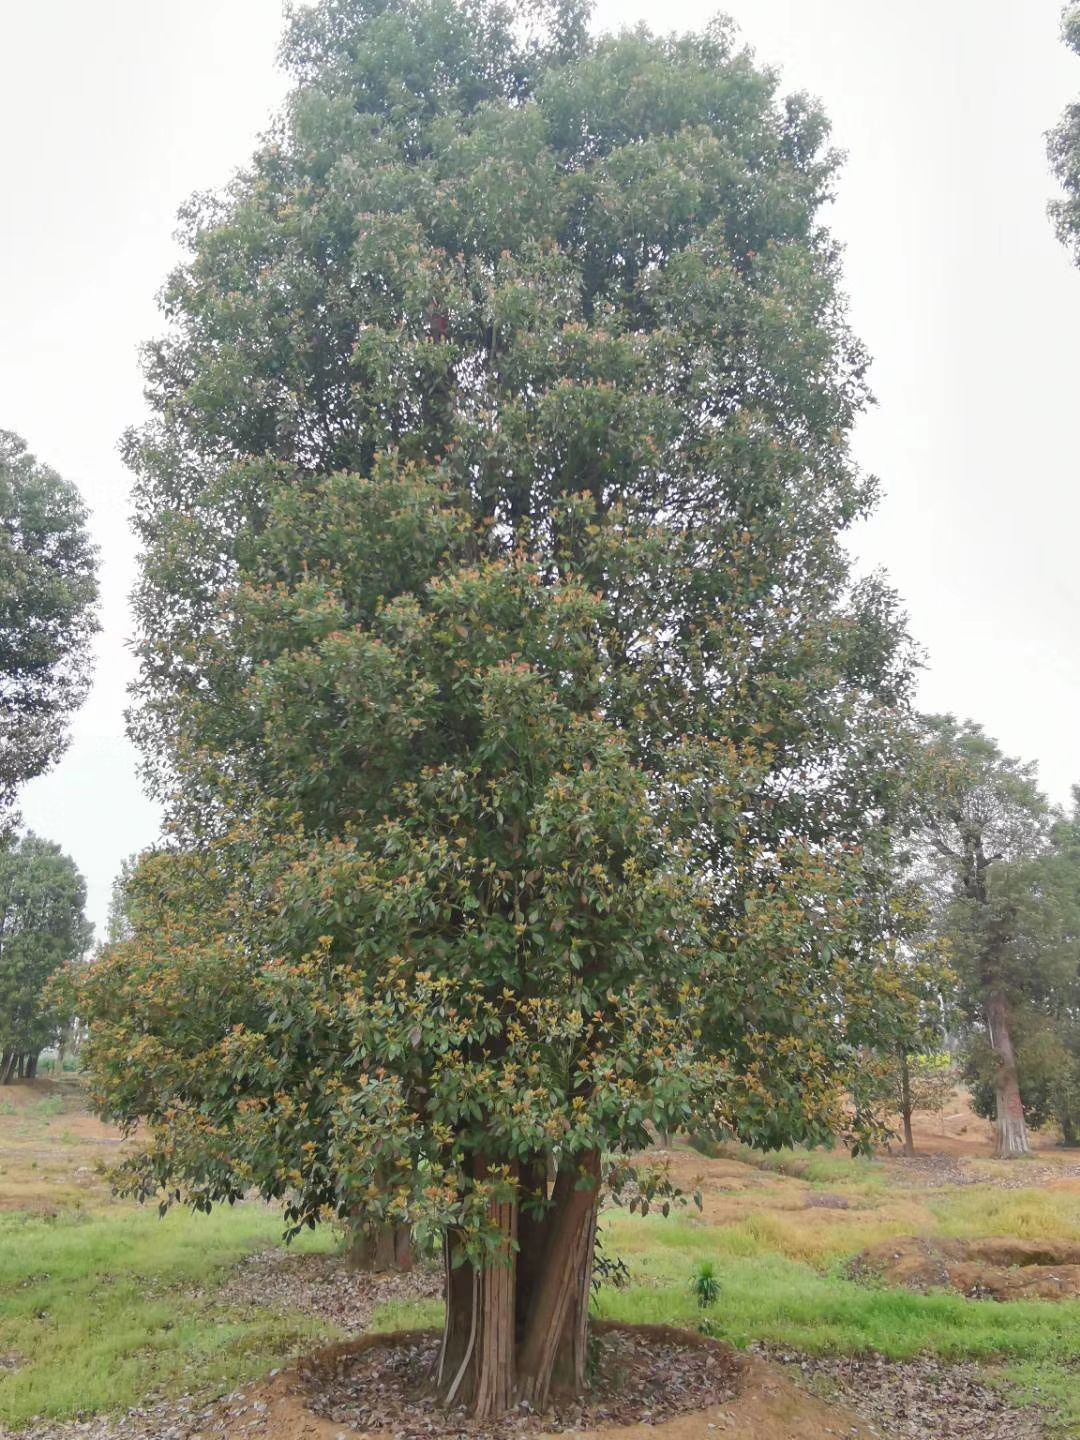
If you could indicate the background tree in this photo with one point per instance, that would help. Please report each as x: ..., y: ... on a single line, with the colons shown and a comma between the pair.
x: 42, y: 930
x: 1047, y: 1013
x: 47, y: 595
x: 529, y: 753
x: 1064, y: 148
x: 987, y: 843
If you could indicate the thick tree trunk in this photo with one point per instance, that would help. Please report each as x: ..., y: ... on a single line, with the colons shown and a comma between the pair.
x: 905, y: 1103
x: 570, y: 1373
x: 389, y: 1247
x: 517, y: 1330
x: 1011, y: 1130
x: 31, y: 1066
x: 476, y: 1362
x: 556, y: 1325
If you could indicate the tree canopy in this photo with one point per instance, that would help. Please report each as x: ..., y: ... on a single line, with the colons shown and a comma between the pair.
x: 42, y: 930
x: 1064, y: 148
x: 530, y: 753
x: 47, y: 594
x: 1000, y: 871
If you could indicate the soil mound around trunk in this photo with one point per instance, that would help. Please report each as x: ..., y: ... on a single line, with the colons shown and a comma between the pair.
x: 641, y: 1375
x: 980, y: 1269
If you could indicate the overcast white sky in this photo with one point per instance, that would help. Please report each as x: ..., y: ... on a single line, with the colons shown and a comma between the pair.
x: 112, y: 112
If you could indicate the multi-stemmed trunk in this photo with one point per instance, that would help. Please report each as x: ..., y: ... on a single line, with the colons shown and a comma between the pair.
x: 516, y: 1328
x: 1010, y: 1137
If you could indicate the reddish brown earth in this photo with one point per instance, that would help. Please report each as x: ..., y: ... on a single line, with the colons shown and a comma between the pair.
x: 980, y: 1269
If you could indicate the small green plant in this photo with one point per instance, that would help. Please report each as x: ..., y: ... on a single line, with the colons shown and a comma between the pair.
x: 705, y: 1285
x: 51, y: 1105
x: 7, y: 1107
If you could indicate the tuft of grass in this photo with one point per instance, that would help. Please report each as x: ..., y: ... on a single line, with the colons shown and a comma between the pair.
x: 705, y: 1284
x: 110, y: 1309
x: 51, y: 1105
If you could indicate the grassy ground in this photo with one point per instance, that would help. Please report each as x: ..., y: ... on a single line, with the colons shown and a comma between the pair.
x: 103, y: 1305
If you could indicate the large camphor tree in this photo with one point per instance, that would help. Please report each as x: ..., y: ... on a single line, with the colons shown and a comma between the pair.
x: 530, y: 756
x: 47, y: 592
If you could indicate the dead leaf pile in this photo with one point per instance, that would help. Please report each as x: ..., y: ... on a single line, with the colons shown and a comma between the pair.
x: 640, y: 1377
x: 920, y: 1399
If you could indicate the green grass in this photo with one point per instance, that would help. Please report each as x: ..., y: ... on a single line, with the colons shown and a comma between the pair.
x: 105, y: 1311
x: 1028, y: 1214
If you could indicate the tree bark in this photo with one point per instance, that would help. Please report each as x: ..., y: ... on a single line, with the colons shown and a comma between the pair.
x: 31, y: 1066
x: 387, y: 1247
x: 1010, y: 1130
x: 476, y: 1362
x: 516, y: 1329
x: 905, y: 1103
x: 558, y: 1312
x: 7, y: 1066
x: 1069, y: 1136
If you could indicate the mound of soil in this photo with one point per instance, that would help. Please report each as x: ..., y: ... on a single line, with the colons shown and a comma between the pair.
x: 643, y: 1375
x: 980, y: 1269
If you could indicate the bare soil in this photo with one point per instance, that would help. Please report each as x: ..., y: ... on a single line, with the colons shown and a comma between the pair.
x: 54, y: 1155
x: 981, y: 1269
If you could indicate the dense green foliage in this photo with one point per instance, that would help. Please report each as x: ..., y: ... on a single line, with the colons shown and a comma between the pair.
x: 47, y: 594
x: 42, y: 930
x: 530, y: 755
x: 1064, y: 147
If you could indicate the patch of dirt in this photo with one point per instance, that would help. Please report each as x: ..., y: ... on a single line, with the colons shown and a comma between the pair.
x: 326, y: 1286
x: 919, y: 1399
x: 53, y: 1153
x: 980, y: 1269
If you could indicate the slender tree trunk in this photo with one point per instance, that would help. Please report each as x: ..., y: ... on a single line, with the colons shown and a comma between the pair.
x: 1011, y: 1130
x: 905, y: 1102
x: 1069, y: 1136
x: 20, y: 1066
x: 31, y: 1066
x: 7, y: 1066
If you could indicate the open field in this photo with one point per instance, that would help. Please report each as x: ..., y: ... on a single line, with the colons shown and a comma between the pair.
x: 104, y: 1307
